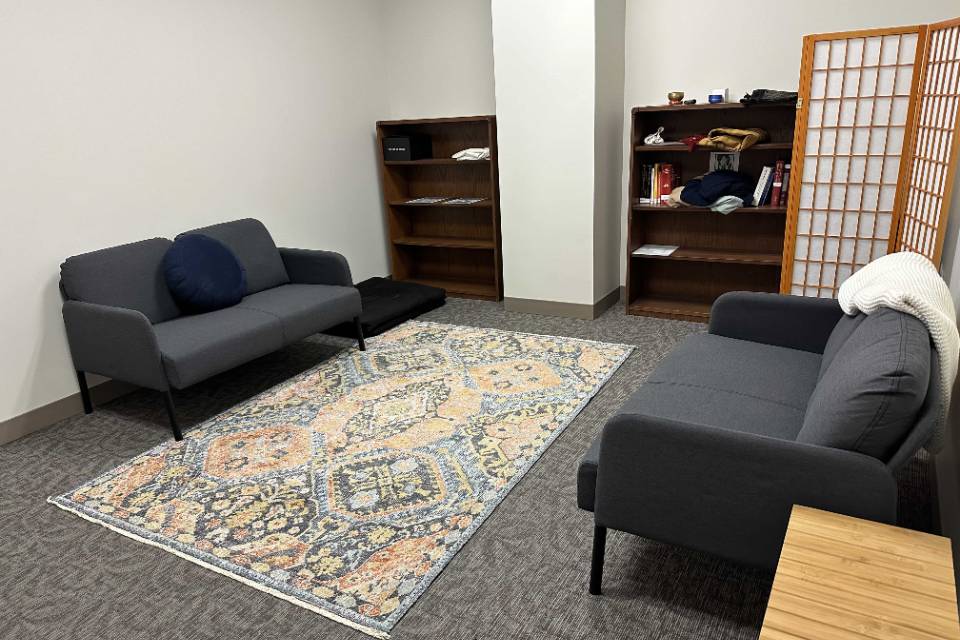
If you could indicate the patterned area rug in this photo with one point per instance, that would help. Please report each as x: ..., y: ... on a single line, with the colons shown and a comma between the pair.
x: 347, y: 489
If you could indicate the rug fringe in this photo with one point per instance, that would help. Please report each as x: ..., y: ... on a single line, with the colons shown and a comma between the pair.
x: 376, y: 633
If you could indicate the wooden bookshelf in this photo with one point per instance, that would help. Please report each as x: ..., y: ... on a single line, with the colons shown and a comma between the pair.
x: 742, y: 250
x: 453, y: 246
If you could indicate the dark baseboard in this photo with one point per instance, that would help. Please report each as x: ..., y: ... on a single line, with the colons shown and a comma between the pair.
x: 563, y: 309
x: 48, y: 414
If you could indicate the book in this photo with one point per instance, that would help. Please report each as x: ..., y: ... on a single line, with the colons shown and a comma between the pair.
x: 426, y: 200
x: 762, y: 185
x: 655, y: 250
x: 665, y: 182
x: 777, y: 188
x: 786, y: 186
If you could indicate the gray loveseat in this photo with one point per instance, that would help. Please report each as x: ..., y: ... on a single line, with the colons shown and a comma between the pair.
x: 122, y: 321
x: 784, y: 401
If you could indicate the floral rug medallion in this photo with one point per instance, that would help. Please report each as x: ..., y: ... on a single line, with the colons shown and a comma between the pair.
x: 348, y: 488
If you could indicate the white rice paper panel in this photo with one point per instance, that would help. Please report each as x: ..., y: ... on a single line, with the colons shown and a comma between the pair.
x: 856, y: 119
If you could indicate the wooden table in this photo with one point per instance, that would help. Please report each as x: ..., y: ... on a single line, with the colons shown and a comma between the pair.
x: 842, y: 578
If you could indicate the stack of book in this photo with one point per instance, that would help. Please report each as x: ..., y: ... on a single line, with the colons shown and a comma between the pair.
x: 772, y: 186
x: 656, y: 183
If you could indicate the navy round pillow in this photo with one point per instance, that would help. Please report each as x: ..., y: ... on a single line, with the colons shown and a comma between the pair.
x: 203, y: 274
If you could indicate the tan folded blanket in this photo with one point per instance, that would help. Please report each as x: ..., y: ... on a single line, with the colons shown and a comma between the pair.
x: 731, y: 139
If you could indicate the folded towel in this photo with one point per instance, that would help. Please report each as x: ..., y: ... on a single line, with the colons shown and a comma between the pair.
x: 473, y: 153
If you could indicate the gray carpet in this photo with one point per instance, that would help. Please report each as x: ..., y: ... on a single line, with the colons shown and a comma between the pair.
x: 523, y: 575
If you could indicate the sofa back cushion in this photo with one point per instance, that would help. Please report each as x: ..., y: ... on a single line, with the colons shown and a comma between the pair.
x: 873, y: 381
x: 251, y: 243
x: 129, y: 276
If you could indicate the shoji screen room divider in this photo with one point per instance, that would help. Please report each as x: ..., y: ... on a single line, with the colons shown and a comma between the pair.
x: 874, y: 151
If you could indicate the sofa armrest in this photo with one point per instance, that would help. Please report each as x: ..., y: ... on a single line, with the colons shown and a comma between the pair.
x: 795, y: 322
x: 115, y: 342
x: 727, y: 492
x: 311, y: 266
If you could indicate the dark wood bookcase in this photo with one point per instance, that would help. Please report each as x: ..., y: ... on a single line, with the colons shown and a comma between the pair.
x: 456, y: 247
x: 718, y: 253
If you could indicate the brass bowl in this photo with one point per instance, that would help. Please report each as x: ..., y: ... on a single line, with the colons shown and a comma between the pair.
x: 675, y: 97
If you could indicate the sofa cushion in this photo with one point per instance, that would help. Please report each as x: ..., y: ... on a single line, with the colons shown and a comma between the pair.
x: 841, y: 332
x: 732, y: 384
x: 128, y: 276
x: 869, y: 395
x: 251, y: 243
x: 305, y: 309
x: 203, y: 274
x: 194, y: 348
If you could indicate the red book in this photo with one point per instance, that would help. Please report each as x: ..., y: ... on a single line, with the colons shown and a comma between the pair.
x: 777, y: 184
x: 786, y: 185
x: 666, y: 182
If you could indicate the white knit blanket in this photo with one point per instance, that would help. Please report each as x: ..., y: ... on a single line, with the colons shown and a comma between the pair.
x: 908, y: 282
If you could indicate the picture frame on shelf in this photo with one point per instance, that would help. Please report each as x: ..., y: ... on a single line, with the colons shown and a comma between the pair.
x: 724, y: 160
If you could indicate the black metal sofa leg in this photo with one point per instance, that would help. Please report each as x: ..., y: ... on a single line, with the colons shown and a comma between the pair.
x: 172, y: 412
x: 596, y: 564
x: 84, y: 392
x: 360, y: 343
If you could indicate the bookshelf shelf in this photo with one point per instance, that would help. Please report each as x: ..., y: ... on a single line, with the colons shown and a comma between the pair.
x: 439, y: 241
x: 452, y: 246
x: 436, y: 161
x: 718, y: 255
x: 742, y: 250
x: 483, y: 203
x: 660, y: 208
x: 679, y: 147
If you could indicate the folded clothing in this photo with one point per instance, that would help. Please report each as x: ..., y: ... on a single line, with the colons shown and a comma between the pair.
x: 769, y: 96
x: 473, y: 153
x: 707, y: 189
x: 732, y: 139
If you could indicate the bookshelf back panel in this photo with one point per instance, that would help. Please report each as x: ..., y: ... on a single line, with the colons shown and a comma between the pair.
x: 699, y: 281
x: 776, y: 120
x: 446, y: 138
x: 708, y: 230
x: 440, y: 222
x: 435, y: 263
x: 416, y: 181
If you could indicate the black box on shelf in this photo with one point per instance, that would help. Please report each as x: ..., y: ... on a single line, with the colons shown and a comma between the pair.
x: 411, y: 147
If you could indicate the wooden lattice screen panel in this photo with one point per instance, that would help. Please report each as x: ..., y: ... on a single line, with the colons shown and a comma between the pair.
x: 928, y: 171
x: 856, y: 107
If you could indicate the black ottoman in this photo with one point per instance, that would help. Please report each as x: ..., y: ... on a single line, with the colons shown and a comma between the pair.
x: 387, y: 303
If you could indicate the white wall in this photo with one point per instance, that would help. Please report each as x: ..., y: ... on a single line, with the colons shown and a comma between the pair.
x: 122, y: 120
x: 608, y: 138
x: 712, y: 47
x: 438, y: 58
x: 544, y: 63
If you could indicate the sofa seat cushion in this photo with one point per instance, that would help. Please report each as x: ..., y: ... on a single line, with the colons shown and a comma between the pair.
x: 254, y: 247
x: 305, y: 309
x: 732, y: 384
x: 872, y: 388
x: 719, y: 382
x: 194, y: 348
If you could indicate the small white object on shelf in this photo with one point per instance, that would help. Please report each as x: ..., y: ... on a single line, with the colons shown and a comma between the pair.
x: 464, y: 200
x: 427, y: 200
x: 473, y: 153
x: 656, y: 250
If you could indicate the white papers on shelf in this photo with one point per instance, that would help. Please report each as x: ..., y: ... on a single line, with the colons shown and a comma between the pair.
x: 464, y: 200
x: 426, y: 200
x: 656, y: 250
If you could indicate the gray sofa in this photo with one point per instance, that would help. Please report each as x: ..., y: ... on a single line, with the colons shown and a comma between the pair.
x: 122, y: 321
x: 784, y: 401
